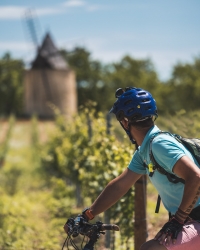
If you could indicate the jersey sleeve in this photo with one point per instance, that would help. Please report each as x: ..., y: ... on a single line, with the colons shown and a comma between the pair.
x: 136, y: 164
x: 167, y: 151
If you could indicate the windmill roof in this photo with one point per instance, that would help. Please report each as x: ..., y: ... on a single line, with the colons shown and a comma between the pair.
x: 48, y: 56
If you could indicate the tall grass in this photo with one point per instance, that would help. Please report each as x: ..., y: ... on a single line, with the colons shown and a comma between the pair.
x: 5, y: 144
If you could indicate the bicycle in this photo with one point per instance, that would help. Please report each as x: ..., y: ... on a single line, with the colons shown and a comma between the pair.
x: 79, y: 225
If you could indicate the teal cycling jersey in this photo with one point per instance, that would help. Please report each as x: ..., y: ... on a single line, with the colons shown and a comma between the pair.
x: 167, y: 151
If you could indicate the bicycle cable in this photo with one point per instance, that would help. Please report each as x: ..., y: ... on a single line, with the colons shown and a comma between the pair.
x: 66, y: 240
x: 82, y: 242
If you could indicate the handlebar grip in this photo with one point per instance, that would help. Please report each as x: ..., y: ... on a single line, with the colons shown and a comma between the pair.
x: 109, y: 227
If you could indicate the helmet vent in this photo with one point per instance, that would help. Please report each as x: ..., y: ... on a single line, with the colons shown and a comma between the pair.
x: 135, y: 117
x: 120, y: 115
x: 142, y: 93
x: 130, y: 110
x: 145, y: 100
x: 128, y: 93
x: 127, y: 102
x: 148, y: 108
x: 129, y: 88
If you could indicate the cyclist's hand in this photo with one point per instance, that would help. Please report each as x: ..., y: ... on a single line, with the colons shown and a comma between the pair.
x: 72, y: 226
x: 66, y: 228
x: 169, y: 232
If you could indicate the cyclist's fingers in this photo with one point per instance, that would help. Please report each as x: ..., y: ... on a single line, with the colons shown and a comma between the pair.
x: 162, y: 238
x: 157, y: 236
x: 66, y: 228
x: 168, y: 240
x: 174, y: 237
x: 174, y: 241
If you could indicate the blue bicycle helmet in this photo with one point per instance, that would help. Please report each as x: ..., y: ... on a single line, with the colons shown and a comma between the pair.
x: 135, y: 104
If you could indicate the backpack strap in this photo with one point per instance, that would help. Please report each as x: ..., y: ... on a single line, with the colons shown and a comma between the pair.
x: 158, y: 204
x: 171, y: 177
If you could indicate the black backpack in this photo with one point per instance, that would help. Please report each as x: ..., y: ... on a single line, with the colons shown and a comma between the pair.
x: 192, y: 144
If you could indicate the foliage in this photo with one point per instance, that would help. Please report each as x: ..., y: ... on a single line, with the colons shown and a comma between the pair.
x: 181, y: 91
x: 91, y: 162
x: 36, y: 199
x: 31, y: 214
x: 183, y: 123
x: 186, y: 82
x: 11, y: 85
x: 4, y: 145
x: 95, y: 81
x: 88, y: 74
x: 131, y: 72
x: 39, y: 183
x: 98, y: 82
x: 33, y: 221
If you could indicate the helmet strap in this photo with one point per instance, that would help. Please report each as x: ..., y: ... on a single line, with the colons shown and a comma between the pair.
x: 128, y: 133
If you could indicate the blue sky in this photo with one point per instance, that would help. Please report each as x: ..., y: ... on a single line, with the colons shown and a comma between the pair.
x: 165, y: 31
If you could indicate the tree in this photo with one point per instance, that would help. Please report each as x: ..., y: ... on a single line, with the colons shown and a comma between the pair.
x: 98, y: 83
x: 131, y: 72
x: 88, y: 74
x: 11, y: 85
x: 185, y: 85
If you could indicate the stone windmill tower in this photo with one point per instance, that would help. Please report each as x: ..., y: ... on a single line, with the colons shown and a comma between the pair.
x: 49, y: 82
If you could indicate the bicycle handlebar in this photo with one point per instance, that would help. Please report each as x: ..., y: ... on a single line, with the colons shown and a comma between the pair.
x: 109, y: 227
x: 79, y: 225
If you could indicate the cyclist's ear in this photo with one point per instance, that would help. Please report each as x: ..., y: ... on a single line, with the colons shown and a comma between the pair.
x: 125, y: 123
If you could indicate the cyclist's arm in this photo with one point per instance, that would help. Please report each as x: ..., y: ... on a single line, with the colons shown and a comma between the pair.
x: 114, y: 191
x: 188, y: 170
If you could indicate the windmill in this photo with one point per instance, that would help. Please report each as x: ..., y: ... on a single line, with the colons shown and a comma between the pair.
x: 50, y: 81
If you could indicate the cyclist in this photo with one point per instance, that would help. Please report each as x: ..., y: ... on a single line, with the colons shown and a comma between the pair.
x: 136, y: 110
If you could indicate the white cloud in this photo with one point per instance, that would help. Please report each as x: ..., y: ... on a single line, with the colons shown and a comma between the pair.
x: 48, y: 11
x: 16, y: 12
x: 11, y: 12
x: 74, y: 3
x: 83, y: 4
x: 94, y: 7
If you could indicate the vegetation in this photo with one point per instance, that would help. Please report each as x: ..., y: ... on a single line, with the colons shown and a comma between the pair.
x: 11, y: 85
x: 90, y: 162
x: 31, y: 214
x: 48, y: 177
x: 95, y: 80
x: 39, y: 178
x: 5, y: 145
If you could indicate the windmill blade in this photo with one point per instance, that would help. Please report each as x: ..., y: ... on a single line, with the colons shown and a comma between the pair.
x: 30, y: 19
